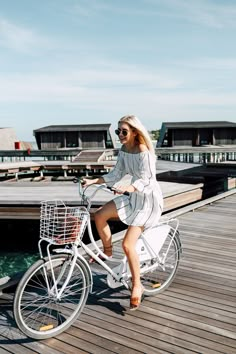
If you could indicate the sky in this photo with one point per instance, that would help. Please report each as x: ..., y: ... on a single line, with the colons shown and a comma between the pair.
x: 94, y: 61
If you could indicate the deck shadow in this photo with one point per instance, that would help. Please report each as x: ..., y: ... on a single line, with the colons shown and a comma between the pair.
x: 107, y: 297
x: 9, y: 333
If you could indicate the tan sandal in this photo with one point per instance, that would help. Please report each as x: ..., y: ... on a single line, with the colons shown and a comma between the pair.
x: 135, y: 302
x: 107, y: 250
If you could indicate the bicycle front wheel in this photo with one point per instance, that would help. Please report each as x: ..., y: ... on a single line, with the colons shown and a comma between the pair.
x: 160, y: 275
x: 38, y: 311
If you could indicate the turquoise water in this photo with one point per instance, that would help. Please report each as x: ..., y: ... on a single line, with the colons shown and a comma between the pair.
x: 19, y: 245
x: 13, y: 262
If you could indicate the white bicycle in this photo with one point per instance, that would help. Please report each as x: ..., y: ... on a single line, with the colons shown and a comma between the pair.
x: 54, y: 290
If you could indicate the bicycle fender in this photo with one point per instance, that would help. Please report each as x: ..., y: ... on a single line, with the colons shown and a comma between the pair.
x: 154, y: 238
x: 88, y: 270
x: 178, y: 241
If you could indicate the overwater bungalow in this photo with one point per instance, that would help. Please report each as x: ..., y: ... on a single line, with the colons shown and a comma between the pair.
x: 84, y: 136
x: 175, y: 134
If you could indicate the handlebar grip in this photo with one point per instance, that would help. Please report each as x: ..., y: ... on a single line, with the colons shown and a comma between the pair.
x: 114, y: 190
x: 77, y: 180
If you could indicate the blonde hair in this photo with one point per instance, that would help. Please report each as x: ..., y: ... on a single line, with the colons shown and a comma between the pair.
x: 142, y: 136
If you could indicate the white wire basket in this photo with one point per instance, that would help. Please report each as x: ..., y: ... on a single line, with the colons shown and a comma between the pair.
x: 61, y: 224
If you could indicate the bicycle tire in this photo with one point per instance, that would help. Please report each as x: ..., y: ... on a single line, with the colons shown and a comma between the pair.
x: 160, y: 277
x: 40, y: 315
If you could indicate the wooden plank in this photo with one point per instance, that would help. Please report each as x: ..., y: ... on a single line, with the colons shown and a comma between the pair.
x: 92, y: 342
x: 187, y: 292
x: 185, y: 198
x: 14, y: 342
x: 150, y: 326
x: 12, y: 212
x: 134, y: 341
x: 66, y: 344
x: 2, y: 350
x: 11, y: 347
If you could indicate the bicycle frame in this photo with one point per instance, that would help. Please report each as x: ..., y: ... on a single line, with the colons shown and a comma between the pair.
x: 74, y: 253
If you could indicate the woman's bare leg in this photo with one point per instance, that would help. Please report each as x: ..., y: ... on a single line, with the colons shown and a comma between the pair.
x: 101, y: 217
x: 129, y: 243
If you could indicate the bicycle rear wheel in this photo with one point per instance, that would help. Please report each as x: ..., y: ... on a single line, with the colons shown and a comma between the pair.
x: 161, y: 276
x: 38, y: 312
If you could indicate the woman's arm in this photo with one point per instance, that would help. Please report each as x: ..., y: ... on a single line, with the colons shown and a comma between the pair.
x: 109, y: 178
x: 116, y: 173
x: 87, y: 182
x: 147, y: 173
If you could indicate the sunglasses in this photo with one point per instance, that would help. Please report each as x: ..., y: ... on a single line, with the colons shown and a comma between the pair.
x: 121, y: 131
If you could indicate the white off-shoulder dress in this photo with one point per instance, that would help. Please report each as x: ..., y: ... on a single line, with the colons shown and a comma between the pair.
x: 144, y: 206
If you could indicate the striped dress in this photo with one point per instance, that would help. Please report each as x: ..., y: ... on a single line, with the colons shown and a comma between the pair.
x: 144, y: 206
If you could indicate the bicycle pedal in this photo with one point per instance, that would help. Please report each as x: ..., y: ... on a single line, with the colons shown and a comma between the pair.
x: 157, y: 285
x: 46, y: 328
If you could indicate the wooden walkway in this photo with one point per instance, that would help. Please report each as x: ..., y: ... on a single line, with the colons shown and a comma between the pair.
x: 22, y: 200
x: 197, y: 314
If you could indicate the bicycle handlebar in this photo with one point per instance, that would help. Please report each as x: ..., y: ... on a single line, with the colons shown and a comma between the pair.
x: 115, y: 190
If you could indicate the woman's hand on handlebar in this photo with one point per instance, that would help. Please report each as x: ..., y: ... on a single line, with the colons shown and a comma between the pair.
x: 119, y: 190
x: 85, y: 182
x: 123, y: 189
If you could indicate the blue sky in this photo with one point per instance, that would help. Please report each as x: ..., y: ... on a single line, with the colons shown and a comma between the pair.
x: 93, y: 61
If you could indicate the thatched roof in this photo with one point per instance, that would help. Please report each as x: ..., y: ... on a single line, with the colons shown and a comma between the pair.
x: 7, y: 139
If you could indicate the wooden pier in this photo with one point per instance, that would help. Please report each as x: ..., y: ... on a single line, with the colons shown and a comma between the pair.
x: 197, y: 314
x: 21, y: 199
x: 198, y: 154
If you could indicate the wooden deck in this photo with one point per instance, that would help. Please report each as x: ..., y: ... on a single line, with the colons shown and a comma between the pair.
x: 17, y: 169
x: 197, y: 314
x: 22, y: 200
x: 181, y: 184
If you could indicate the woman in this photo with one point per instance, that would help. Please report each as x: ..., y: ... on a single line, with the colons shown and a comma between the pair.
x: 140, y: 209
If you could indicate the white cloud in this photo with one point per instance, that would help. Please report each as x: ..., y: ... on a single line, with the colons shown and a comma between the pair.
x: 125, y: 76
x: 101, y: 8
x: 211, y: 63
x: 18, y: 37
x: 197, y: 98
x: 81, y: 88
x: 204, y: 12
x: 83, y: 84
x: 91, y: 7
